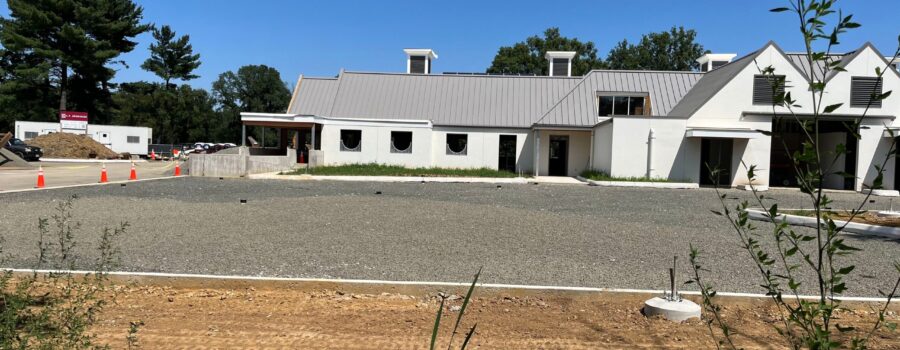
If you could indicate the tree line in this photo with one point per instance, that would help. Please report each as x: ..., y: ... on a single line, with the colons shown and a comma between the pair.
x: 675, y: 49
x: 63, y: 55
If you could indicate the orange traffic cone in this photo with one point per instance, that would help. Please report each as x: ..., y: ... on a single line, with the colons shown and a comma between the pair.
x: 103, y: 177
x: 177, y: 169
x: 133, y: 173
x: 40, y: 180
x: 152, y: 155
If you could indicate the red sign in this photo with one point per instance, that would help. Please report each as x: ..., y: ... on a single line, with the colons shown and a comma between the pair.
x: 73, y: 120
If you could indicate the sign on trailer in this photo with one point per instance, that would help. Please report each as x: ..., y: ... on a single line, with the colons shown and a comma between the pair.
x: 73, y: 120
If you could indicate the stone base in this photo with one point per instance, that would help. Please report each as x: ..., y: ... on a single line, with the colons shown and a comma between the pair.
x: 671, y: 310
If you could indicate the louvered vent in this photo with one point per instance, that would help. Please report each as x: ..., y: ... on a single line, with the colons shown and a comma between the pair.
x: 763, y: 94
x: 862, y: 89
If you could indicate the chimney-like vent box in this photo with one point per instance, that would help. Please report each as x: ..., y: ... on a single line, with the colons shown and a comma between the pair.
x: 418, y: 61
x: 711, y: 61
x: 560, y: 63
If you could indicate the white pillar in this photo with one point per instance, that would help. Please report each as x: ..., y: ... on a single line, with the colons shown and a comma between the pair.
x: 243, y: 134
x: 537, y: 152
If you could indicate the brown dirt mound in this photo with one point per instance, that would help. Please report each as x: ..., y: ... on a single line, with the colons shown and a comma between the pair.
x: 66, y: 145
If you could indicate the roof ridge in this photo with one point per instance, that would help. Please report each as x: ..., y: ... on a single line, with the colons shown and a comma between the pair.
x: 463, y: 75
x: 647, y: 71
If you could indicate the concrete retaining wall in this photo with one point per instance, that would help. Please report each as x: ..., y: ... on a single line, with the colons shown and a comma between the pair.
x: 240, y: 164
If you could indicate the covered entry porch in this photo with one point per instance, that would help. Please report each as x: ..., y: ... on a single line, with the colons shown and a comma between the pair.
x: 562, y: 151
x: 299, y: 133
x: 721, y: 152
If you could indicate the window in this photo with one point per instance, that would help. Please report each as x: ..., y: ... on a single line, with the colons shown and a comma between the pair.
x: 457, y: 144
x: 30, y: 135
x: 861, y: 91
x: 763, y: 93
x: 560, y: 67
x: 351, y: 140
x: 133, y: 139
x: 401, y: 141
x: 417, y: 64
x: 621, y: 105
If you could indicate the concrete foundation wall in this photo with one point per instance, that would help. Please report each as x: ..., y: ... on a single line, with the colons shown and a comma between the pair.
x: 240, y: 164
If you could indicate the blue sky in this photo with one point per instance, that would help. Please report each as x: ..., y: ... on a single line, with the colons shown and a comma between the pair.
x: 320, y: 38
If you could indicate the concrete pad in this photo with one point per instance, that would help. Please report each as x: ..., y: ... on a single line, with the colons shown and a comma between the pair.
x: 881, y: 193
x: 557, y: 180
x: 677, y: 311
x: 11, y: 160
x: 669, y: 185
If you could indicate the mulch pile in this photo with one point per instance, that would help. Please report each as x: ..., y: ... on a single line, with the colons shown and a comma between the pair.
x: 66, y: 145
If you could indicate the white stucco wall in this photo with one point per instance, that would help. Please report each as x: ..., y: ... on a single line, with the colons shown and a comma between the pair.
x: 603, y: 137
x: 483, y: 145
x: 376, y: 145
x: 872, y: 150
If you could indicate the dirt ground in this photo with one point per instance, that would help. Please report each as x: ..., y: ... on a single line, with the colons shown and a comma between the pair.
x: 230, y: 314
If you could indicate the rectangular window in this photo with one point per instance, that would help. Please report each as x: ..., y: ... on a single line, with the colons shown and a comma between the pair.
x: 457, y: 144
x: 862, y: 89
x: 622, y: 105
x: 133, y: 139
x: 351, y: 140
x: 560, y: 67
x: 401, y: 141
x: 763, y: 91
x: 30, y: 135
x: 417, y: 64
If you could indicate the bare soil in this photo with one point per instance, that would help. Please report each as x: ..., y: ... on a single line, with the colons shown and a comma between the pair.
x: 66, y: 145
x: 231, y: 314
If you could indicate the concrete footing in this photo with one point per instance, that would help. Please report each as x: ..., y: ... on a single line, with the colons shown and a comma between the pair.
x: 671, y: 310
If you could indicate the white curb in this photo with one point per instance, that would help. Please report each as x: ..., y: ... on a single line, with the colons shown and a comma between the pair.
x: 441, y: 284
x: 306, y: 177
x: 851, y: 227
x: 668, y: 185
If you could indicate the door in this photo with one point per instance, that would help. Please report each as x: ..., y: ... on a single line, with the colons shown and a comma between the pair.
x: 104, y: 138
x: 559, y: 156
x: 715, y: 154
x: 507, y: 153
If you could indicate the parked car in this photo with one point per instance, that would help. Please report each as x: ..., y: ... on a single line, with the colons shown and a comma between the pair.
x: 23, y: 150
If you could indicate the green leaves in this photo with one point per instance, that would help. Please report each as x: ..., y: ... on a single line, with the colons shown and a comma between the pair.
x: 779, y: 9
x: 832, y: 108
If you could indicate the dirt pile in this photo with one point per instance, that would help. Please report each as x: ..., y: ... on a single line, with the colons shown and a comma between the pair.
x: 66, y: 145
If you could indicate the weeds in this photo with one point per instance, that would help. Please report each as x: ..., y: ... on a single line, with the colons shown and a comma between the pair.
x: 462, y: 311
x: 56, y: 309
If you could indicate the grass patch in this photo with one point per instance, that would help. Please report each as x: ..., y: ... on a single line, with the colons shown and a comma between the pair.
x: 395, y: 170
x: 602, y: 176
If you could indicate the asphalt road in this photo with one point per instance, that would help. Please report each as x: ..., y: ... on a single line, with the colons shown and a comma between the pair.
x: 562, y: 235
x: 65, y: 174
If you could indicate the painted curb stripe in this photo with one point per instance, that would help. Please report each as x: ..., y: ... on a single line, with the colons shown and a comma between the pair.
x: 440, y: 284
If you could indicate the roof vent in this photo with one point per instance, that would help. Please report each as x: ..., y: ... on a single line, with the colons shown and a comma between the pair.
x: 711, y: 61
x: 418, y: 61
x: 560, y: 63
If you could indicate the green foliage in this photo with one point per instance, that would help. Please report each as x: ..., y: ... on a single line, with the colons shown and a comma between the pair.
x: 55, y: 310
x: 783, y: 254
x: 254, y: 88
x: 675, y: 49
x: 171, y: 58
x: 597, y: 175
x: 527, y: 57
x: 176, y: 114
x: 459, y: 317
x: 67, y: 46
x: 374, y: 169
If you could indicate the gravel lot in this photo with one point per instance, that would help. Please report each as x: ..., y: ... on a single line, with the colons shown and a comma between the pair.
x: 523, y: 234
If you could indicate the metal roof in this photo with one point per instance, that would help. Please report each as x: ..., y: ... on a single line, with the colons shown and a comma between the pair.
x: 800, y: 60
x: 666, y: 89
x: 485, y: 101
x: 315, y: 96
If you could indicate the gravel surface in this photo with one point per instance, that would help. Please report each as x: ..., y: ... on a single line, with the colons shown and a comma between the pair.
x: 564, y: 235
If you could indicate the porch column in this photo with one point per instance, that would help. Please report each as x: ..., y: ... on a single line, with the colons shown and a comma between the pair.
x: 243, y: 135
x: 537, y: 152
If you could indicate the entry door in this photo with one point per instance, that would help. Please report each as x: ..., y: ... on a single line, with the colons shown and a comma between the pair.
x: 559, y: 156
x: 715, y: 154
x: 104, y: 138
x: 507, y: 157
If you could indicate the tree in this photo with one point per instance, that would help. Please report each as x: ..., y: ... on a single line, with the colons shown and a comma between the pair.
x: 527, y: 57
x: 672, y: 50
x: 254, y: 88
x: 176, y: 114
x: 73, y: 38
x: 171, y: 58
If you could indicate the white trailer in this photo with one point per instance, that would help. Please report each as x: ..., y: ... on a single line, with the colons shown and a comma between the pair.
x: 131, y: 139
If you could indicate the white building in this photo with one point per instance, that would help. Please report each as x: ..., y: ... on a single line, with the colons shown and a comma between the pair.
x: 659, y: 124
x: 121, y: 139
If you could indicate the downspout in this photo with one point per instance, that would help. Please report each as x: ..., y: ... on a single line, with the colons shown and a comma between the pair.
x: 650, y: 138
x: 591, y: 160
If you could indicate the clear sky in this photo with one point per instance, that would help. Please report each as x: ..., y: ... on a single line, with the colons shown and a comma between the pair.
x: 320, y: 38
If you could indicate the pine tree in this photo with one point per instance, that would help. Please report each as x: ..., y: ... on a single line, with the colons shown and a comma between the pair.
x: 171, y: 58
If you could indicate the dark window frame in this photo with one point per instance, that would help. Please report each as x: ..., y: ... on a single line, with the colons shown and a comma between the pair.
x: 409, y: 147
x: 465, y: 144
x: 349, y: 132
x: 613, y: 98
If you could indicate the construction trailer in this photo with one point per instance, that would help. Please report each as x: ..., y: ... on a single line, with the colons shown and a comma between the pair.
x: 121, y: 139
